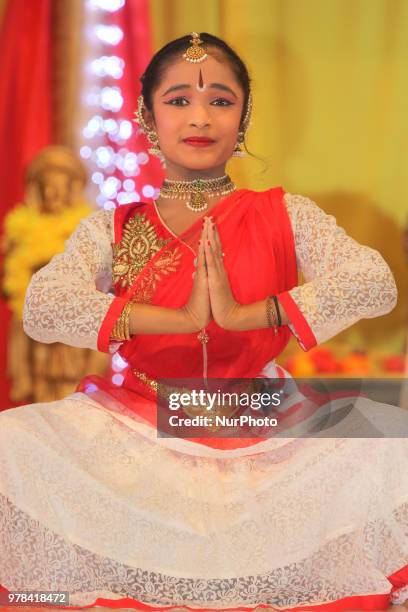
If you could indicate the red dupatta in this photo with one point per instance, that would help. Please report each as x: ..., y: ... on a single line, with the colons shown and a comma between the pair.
x: 152, y: 265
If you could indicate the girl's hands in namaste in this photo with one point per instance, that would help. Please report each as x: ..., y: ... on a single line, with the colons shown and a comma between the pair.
x: 225, y: 309
x: 198, y: 308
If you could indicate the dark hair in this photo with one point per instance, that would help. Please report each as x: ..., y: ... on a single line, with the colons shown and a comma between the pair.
x: 151, y: 77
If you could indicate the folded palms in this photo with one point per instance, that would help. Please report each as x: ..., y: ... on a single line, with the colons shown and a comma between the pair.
x: 211, y: 295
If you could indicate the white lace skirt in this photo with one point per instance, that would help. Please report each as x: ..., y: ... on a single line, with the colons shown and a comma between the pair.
x: 93, y: 503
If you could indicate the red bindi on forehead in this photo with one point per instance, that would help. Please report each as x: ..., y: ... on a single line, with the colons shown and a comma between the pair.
x: 200, y: 86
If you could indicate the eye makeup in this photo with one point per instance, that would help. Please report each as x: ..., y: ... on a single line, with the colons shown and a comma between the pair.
x: 224, y: 100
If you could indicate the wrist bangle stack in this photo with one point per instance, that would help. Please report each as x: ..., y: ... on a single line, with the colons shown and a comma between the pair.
x: 275, y: 299
x: 272, y: 313
x: 121, y: 330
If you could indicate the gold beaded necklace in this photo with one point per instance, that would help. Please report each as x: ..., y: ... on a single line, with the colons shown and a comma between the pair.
x: 195, y: 191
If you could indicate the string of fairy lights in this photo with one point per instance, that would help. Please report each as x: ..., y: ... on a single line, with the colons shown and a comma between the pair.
x: 105, y: 131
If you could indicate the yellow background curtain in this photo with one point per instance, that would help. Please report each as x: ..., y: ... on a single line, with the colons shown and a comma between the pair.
x: 330, y: 100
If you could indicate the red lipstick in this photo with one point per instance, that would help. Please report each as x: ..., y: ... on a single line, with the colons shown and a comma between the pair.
x: 197, y: 141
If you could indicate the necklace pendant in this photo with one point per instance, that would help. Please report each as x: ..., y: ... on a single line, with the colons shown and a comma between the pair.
x: 197, y: 202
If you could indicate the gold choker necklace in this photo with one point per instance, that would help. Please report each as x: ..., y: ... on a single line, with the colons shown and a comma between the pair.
x: 195, y: 191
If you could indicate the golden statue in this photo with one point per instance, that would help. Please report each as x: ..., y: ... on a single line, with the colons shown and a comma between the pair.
x: 55, y: 182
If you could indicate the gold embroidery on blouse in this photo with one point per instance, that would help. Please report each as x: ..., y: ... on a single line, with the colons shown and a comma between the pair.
x: 165, y: 264
x: 138, y: 245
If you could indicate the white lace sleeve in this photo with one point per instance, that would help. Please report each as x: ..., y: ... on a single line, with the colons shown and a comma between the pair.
x: 345, y: 281
x: 67, y: 300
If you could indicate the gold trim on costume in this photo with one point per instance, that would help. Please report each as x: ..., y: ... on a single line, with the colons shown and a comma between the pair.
x: 165, y: 264
x: 139, y: 244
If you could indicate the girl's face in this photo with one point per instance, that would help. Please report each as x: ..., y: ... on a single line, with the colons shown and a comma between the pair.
x: 197, y: 100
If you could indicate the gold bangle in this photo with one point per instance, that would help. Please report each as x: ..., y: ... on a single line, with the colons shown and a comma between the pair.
x: 271, y: 314
x: 277, y: 309
x: 121, y: 330
x: 122, y: 323
x: 116, y: 333
x: 126, y: 320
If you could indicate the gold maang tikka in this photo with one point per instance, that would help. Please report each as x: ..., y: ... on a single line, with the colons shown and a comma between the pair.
x: 195, y: 53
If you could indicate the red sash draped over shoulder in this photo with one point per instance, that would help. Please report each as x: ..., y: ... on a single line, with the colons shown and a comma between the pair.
x: 152, y: 265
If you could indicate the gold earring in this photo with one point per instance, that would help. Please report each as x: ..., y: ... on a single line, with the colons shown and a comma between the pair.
x: 154, y: 140
x: 145, y: 129
x: 246, y: 123
x: 239, y: 151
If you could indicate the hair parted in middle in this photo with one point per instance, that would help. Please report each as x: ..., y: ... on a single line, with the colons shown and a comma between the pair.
x: 174, y: 50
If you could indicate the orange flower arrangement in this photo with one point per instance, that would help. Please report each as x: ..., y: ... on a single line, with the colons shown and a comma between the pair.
x: 322, y: 361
